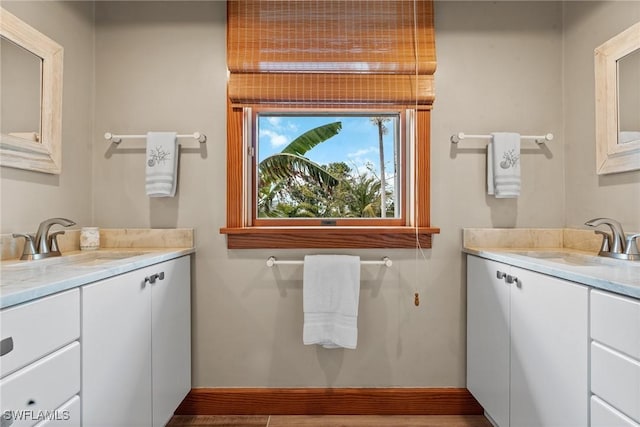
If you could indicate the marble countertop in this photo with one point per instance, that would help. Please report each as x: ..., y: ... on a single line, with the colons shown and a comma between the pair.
x: 22, y: 281
x: 619, y: 276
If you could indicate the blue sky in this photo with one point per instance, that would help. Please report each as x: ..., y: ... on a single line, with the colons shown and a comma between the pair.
x: 356, y: 144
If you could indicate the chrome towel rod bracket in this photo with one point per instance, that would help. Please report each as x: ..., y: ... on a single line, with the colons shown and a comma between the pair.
x: 271, y: 261
x: 538, y: 139
x: 116, y: 139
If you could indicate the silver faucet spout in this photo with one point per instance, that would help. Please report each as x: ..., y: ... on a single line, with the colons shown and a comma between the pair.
x: 42, y: 246
x: 618, y: 243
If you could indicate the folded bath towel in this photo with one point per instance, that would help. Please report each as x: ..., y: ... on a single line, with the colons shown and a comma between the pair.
x: 162, y: 164
x: 331, y: 289
x: 503, y: 165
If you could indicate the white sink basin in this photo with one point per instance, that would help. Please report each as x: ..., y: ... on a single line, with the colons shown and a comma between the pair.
x: 101, y: 258
x: 576, y: 259
x: 83, y: 259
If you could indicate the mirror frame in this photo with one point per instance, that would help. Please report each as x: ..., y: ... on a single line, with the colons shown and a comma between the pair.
x: 46, y: 155
x: 612, y: 157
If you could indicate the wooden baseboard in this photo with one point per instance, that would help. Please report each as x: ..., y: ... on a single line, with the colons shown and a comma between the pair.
x: 329, y: 401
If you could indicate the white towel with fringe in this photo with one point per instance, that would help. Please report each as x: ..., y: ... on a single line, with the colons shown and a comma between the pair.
x: 162, y: 164
x: 331, y: 289
x: 503, y: 165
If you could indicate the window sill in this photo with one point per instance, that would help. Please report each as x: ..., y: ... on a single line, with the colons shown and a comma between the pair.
x: 328, y: 237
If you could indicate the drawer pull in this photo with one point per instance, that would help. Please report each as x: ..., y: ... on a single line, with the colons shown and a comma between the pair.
x: 513, y: 279
x: 500, y: 274
x: 152, y: 279
x: 6, y: 346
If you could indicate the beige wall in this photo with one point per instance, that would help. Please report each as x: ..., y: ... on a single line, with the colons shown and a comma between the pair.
x: 586, y: 26
x: 29, y: 197
x: 162, y: 66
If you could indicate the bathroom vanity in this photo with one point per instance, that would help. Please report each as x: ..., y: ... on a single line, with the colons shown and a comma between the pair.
x: 136, y: 345
x: 553, y: 337
x: 96, y: 338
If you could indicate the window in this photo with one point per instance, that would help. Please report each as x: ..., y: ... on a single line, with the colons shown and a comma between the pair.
x: 327, y: 168
x: 333, y: 66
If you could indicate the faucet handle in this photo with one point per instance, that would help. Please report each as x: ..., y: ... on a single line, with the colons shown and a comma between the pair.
x: 29, y: 245
x: 606, y: 241
x: 632, y: 244
x: 53, y: 241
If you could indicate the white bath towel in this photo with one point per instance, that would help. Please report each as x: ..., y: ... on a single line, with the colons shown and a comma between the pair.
x: 331, y: 289
x: 503, y: 165
x: 162, y: 164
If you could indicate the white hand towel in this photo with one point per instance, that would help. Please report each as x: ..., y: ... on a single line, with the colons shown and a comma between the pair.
x: 162, y: 164
x: 331, y: 289
x: 503, y: 165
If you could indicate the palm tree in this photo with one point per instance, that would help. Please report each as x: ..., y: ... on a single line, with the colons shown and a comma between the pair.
x: 290, y: 164
x: 363, y: 196
x: 382, y: 130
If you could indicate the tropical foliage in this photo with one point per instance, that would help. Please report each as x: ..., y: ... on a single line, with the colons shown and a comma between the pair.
x: 290, y: 185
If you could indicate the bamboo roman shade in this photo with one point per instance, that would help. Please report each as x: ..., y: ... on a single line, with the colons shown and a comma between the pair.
x: 327, y: 52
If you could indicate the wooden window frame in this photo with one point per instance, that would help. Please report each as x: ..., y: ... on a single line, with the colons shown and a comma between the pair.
x: 242, y: 235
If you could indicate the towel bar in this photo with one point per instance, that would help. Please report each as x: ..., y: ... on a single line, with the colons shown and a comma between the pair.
x: 271, y: 261
x: 538, y: 139
x: 116, y: 139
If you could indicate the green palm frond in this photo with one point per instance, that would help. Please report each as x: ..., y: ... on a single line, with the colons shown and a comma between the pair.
x: 282, y: 166
x: 311, y: 138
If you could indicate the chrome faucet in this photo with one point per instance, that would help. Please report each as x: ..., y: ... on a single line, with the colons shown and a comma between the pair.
x: 617, y: 244
x: 43, y: 245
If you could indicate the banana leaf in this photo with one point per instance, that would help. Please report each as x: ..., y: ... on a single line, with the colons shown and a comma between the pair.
x: 311, y: 138
x: 282, y: 166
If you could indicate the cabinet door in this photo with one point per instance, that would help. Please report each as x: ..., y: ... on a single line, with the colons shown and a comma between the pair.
x: 549, y: 345
x: 488, y: 337
x: 171, y: 338
x: 116, y: 352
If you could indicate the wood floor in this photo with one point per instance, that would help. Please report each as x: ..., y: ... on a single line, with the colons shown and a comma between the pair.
x: 329, y: 421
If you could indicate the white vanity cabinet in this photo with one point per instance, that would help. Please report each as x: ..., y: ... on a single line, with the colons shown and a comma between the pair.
x: 488, y: 343
x: 40, y: 361
x: 615, y: 360
x: 527, y: 344
x: 136, y: 349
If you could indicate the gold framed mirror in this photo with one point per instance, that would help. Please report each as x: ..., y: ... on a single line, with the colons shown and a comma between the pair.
x: 617, y: 74
x: 36, y: 149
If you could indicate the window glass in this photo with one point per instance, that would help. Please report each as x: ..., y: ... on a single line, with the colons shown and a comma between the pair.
x: 328, y: 165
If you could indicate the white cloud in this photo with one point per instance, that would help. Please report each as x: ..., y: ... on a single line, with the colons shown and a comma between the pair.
x: 274, y: 121
x: 291, y: 126
x: 277, y: 123
x: 362, y: 152
x: 275, y: 139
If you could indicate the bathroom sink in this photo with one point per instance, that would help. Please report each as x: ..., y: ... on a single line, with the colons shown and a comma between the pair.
x: 573, y: 258
x: 83, y: 259
x: 98, y: 258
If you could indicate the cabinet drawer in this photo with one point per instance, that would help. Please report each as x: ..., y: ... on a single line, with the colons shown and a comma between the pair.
x: 616, y: 379
x: 603, y: 415
x: 32, y: 330
x: 42, y: 386
x: 68, y: 415
x: 615, y: 321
